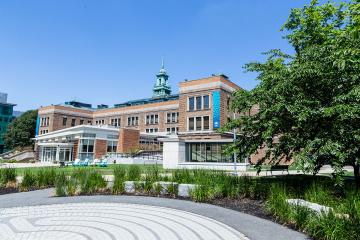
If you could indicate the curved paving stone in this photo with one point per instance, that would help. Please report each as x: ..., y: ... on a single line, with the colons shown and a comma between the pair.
x: 109, y: 221
x: 253, y: 228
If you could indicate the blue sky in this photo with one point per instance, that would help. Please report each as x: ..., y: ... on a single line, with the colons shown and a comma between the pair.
x: 109, y: 51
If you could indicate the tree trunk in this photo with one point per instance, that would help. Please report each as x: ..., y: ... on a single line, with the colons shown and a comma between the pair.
x: 357, y: 176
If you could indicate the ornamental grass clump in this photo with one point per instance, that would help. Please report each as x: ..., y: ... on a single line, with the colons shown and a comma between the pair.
x: 95, y: 183
x: 276, y: 203
x: 134, y: 173
x: 182, y: 176
x: 119, y: 179
x: 60, y: 184
x: 46, y: 178
x: 29, y: 181
x: 89, y: 181
x: 172, y: 190
x: 8, y: 177
x: 153, y: 173
x: 206, y: 188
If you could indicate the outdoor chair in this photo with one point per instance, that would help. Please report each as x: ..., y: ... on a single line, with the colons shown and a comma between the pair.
x: 95, y: 162
x: 76, y: 163
x: 85, y: 163
x: 103, y: 163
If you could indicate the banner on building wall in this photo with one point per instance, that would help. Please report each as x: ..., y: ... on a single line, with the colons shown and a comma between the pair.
x: 216, y: 109
x: 37, y: 126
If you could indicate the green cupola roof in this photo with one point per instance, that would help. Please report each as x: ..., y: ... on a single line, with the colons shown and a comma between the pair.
x: 161, y: 87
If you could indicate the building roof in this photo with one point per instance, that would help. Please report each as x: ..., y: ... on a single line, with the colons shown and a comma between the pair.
x: 147, y: 101
x: 7, y: 104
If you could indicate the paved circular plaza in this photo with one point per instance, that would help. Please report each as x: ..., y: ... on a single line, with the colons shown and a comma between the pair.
x: 109, y: 221
x: 38, y: 215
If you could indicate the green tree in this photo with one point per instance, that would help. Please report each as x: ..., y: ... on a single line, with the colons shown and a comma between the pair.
x: 21, y: 130
x: 309, y: 102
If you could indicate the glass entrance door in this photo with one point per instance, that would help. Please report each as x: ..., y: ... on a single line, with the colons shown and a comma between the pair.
x: 65, y: 154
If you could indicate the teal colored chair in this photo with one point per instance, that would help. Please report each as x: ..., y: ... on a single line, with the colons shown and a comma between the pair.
x: 85, y: 163
x: 76, y: 163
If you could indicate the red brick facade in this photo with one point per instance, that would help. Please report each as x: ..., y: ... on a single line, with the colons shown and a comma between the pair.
x: 128, y: 140
x: 100, y: 148
x: 75, y: 148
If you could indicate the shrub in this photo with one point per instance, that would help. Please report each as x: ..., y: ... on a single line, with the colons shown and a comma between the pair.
x: 119, y: 179
x: 276, y: 203
x: 134, y: 173
x: 7, y: 175
x: 319, y: 193
x: 95, y: 182
x: 153, y: 173
x: 71, y: 186
x: 182, y: 176
x: 157, y: 189
x: 60, y: 184
x: 139, y: 186
x: 331, y: 227
x: 172, y: 190
x: 29, y: 181
x: 300, y: 216
x: 90, y: 181
x: 46, y: 178
x: 201, y: 193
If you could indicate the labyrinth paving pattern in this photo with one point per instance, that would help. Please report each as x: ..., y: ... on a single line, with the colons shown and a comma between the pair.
x: 109, y: 221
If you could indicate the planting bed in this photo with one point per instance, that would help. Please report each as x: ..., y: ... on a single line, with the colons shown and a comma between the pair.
x: 263, y: 197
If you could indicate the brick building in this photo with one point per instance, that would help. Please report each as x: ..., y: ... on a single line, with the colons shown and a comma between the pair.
x: 184, y: 125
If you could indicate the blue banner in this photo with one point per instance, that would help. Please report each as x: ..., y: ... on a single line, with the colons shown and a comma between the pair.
x: 216, y: 109
x: 37, y: 126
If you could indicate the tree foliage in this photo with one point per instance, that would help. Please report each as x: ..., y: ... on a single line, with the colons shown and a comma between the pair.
x: 20, y: 132
x: 309, y: 102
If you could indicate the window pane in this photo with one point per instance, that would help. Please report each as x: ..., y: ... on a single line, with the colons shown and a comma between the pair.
x: 206, y: 123
x: 168, y: 117
x: 64, y: 121
x: 198, y: 123
x: 191, y: 124
x: 194, y: 152
x: 198, y: 103
x: 191, y: 104
x: 206, y: 101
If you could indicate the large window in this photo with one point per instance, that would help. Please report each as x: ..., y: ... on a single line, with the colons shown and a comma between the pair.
x: 172, y: 117
x: 152, y: 119
x: 206, y: 101
x: 73, y: 122
x: 151, y: 130
x: 207, y: 152
x: 191, y: 124
x: 111, y: 146
x: 86, y: 149
x: 199, y: 123
x: 191, y: 104
x: 198, y: 103
x: 115, y: 122
x: 206, y: 123
x: 44, y: 122
x: 133, y: 121
x: 64, y: 121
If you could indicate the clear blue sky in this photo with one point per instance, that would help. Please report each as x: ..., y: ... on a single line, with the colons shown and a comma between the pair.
x: 103, y: 51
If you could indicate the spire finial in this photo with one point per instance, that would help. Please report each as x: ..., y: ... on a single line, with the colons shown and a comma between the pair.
x: 162, y: 62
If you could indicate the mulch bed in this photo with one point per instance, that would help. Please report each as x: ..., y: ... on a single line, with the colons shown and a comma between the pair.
x: 7, y: 190
x: 245, y: 205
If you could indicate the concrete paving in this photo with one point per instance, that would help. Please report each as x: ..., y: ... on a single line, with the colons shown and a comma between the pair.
x: 38, y: 215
